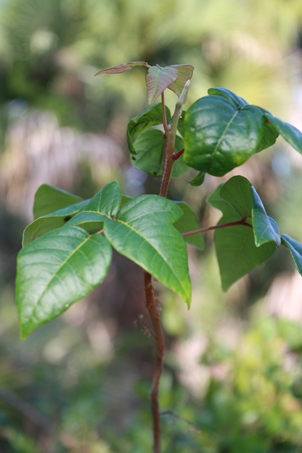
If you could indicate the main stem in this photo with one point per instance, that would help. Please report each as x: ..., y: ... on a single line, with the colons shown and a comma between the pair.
x: 154, y: 313
x: 153, y: 309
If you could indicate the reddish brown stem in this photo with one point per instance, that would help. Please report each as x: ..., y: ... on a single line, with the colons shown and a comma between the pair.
x: 216, y: 227
x: 154, y: 314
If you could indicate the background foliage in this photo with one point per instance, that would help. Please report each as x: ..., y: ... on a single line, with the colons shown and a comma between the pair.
x: 232, y: 369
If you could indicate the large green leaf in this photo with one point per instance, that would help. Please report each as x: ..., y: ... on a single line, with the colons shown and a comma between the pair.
x: 222, y: 131
x: 149, y: 147
x: 188, y: 222
x: 49, y: 199
x: 55, y: 271
x: 143, y: 232
x: 240, y: 248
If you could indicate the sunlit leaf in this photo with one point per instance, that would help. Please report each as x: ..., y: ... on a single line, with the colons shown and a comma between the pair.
x: 55, y: 271
x: 222, y: 131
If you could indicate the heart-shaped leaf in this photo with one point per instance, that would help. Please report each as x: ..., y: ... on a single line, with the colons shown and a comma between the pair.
x: 143, y: 232
x: 158, y: 79
x: 55, y: 271
x: 240, y: 248
x: 222, y: 131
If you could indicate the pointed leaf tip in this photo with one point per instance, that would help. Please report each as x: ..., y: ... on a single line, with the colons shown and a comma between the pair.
x: 118, y: 69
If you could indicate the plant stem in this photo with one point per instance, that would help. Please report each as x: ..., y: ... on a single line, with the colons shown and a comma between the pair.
x: 216, y: 227
x: 154, y: 314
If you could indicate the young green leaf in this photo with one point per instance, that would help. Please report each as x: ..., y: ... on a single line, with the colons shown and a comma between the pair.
x: 222, y: 131
x: 49, y: 199
x: 56, y: 270
x: 106, y: 202
x: 148, y: 118
x: 158, y: 79
x: 149, y: 147
x: 143, y: 232
x: 122, y: 67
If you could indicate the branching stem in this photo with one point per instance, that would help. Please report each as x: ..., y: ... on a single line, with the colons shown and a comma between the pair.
x: 216, y: 227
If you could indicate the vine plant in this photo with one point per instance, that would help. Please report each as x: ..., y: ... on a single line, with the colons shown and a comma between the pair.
x: 67, y: 249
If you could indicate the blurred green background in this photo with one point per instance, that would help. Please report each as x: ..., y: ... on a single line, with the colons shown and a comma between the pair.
x: 233, y: 376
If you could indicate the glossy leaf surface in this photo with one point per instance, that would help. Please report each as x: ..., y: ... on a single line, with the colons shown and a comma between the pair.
x: 57, y: 270
x: 222, y: 131
x: 143, y: 232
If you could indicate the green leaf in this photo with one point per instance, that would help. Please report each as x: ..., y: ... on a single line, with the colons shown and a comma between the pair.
x: 106, y: 201
x: 185, y: 73
x: 290, y: 133
x: 188, y: 222
x: 241, y: 248
x: 122, y: 67
x: 57, y: 270
x: 222, y: 131
x: 265, y: 228
x: 49, y: 199
x: 198, y: 179
x: 51, y: 221
x: 158, y: 79
x: 104, y: 204
x: 295, y: 249
x: 143, y: 232
x: 148, y: 118
x: 149, y: 147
